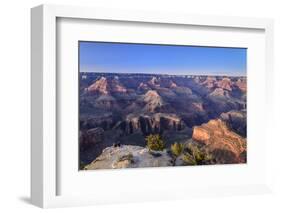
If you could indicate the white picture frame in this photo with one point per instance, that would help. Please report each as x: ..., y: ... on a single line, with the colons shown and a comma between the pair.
x: 44, y: 154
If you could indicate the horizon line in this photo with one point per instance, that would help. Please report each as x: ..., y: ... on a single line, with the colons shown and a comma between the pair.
x: 127, y: 73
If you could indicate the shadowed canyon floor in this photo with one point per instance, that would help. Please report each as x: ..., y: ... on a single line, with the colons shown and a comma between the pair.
x: 206, y: 115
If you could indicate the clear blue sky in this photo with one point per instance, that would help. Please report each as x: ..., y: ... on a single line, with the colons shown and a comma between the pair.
x: 162, y: 59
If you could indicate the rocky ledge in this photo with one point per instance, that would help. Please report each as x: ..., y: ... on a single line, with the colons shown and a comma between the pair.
x: 127, y: 156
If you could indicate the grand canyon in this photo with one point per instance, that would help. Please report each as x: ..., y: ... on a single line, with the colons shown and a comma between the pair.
x: 194, y: 119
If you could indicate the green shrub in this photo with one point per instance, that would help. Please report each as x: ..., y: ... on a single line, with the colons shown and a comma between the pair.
x: 197, y: 156
x: 177, y: 149
x: 189, y: 159
x: 154, y: 142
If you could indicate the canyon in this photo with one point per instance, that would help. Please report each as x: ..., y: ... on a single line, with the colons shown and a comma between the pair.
x: 207, y: 111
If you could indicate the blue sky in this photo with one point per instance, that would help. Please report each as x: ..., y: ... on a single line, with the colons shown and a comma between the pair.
x: 161, y: 59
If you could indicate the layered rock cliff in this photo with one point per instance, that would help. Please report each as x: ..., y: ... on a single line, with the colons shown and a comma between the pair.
x: 153, y: 123
x: 225, y: 145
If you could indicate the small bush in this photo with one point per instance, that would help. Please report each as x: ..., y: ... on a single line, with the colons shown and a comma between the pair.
x: 189, y: 159
x: 196, y: 152
x: 177, y: 149
x: 154, y: 142
x: 197, y: 156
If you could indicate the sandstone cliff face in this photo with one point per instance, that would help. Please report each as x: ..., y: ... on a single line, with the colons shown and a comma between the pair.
x: 153, y: 101
x: 225, y: 145
x: 147, y: 124
x: 127, y: 156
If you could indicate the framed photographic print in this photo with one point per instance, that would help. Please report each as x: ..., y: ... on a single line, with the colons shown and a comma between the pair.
x: 130, y: 102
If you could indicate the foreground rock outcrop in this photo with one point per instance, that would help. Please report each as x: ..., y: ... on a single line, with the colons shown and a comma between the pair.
x: 225, y: 145
x: 127, y: 156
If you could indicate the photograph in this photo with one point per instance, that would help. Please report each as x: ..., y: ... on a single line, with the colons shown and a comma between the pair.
x: 161, y: 105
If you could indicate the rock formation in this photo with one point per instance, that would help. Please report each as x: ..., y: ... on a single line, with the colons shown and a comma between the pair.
x: 210, y: 82
x: 148, y: 124
x: 241, y: 84
x: 127, y: 156
x: 153, y: 101
x: 154, y: 82
x: 219, y: 92
x: 225, y: 84
x: 124, y: 108
x: 225, y: 145
x: 100, y: 86
x: 143, y: 86
x: 104, y: 86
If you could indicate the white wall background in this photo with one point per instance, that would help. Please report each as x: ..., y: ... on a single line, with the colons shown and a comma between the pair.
x: 15, y: 104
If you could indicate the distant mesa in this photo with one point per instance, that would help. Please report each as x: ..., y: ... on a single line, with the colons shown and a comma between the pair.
x: 173, y: 85
x: 100, y: 86
x: 154, y: 82
x: 242, y: 85
x: 143, y: 86
x: 225, y: 84
x: 105, y: 86
x: 152, y: 96
x: 153, y: 101
x: 197, y: 79
x: 219, y: 92
x: 210, y: 82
